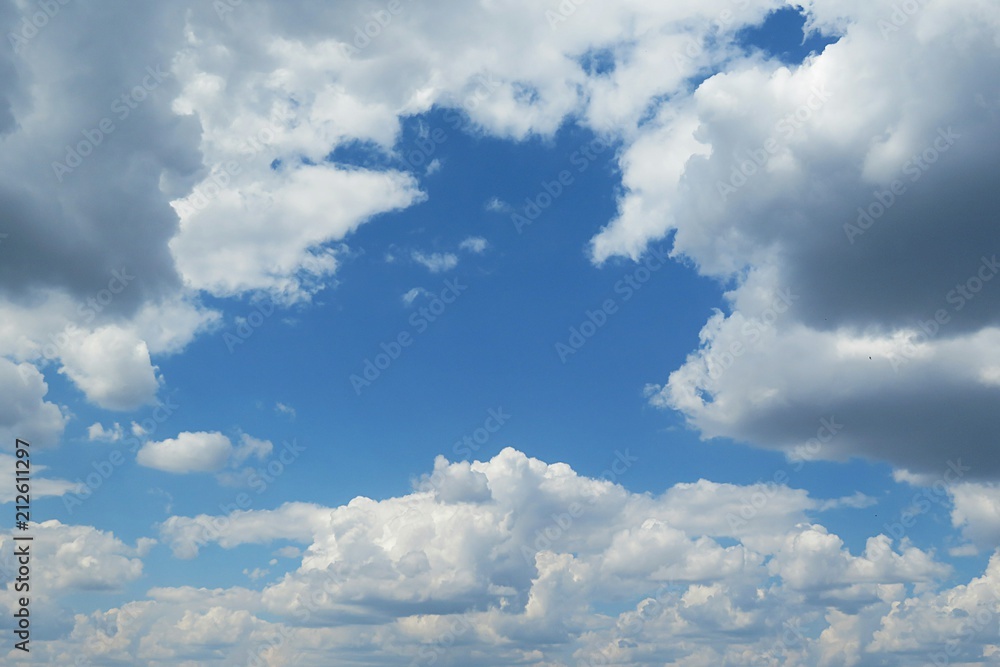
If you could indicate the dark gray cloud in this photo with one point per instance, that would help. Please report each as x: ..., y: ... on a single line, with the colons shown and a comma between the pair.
x: 80, y: 176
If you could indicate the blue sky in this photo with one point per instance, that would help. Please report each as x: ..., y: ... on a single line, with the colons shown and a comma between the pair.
x: 673, y: 462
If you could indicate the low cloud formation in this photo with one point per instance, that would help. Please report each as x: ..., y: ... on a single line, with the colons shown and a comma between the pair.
x: 514, y: 559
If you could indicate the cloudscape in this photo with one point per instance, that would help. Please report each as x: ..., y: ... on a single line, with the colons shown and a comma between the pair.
x: 500, y: 332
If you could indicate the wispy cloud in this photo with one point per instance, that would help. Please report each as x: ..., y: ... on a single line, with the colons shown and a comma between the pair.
x: 413, y: 294
x: 495, y: 205
x: 476, y: 244
x: 97, y: 432
x: 436, y: 262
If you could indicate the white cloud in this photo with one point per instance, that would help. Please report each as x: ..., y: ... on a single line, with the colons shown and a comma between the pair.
x: 188, y: 452
x: 614, y: 540
x: 112, y: 367
x: 111, y: 362
x: 476, y: 244
x: 813, y: 560
x: 227, y: 248
x: 78, y: 558
x: 976, y: 512
x: 930, y: 623
x: 251, y: 447
x: 168, y: 326
x: 412, y: 295
x: 759, y: 175
x: 741, y: 381
x: 529, y: 561
x: 495, y: 205
x: 436, y: 262
x: 24, y: 413
x: 256, y: 573
x: 857, y: 500
x: 203, y: 452
x: 292, y: 521
x: 96, y: 431
x: 231, y: 190
x: 174, y: 626
x: 276, y: 224
x: 41, y: 487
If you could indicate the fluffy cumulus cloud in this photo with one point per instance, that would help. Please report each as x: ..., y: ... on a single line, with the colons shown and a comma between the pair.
x: 517, y: 560
x: 63, y: 560
x: 854, y: 218
x: 24, y: 412
x: 265, y: 207
x: 188, y: 452
x: 109, y: 359
x: 200, y: 452
x: 976, y: 511
x: 82, y: 557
